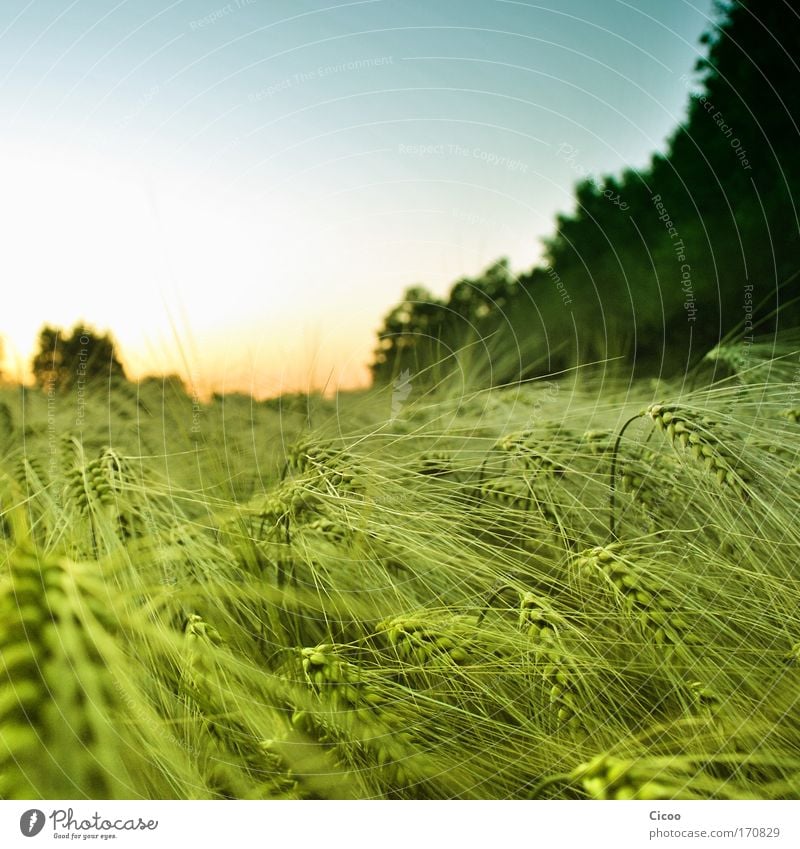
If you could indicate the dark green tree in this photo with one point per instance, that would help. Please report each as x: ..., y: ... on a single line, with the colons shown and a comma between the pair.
x: 654, y: 266
x: 410, y: 336
x: 81, y: 356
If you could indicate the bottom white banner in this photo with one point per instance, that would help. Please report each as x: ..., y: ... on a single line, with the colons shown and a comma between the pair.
x: 401, y: 824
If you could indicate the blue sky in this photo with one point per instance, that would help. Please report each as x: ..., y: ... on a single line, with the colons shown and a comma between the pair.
x: 239, y: 191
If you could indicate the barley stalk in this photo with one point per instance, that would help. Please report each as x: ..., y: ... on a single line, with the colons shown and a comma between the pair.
x: 331, y: 468
x: 55, y: 686
x: 519, y: 446
x: 207, y: 689
x: 356, y: 714
x: 658, y: 612
x: 609, y: 777
x: 697, y: 436
x: 417, y: 642
x: 543, y: 625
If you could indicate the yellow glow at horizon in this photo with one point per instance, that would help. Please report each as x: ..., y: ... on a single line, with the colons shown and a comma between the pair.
x: 188, y: 277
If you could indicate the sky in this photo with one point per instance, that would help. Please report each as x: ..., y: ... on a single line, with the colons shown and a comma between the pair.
x: 239, y: 192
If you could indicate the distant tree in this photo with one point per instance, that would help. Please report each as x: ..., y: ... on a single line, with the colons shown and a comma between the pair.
x: 652, y: 266
x: 164, y: 382
x: 83, y: 355
x: 411, y: 334
x: 477, y: 298
x: 423, y: 330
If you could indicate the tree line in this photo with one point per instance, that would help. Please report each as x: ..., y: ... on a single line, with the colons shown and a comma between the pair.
x: 653, y: 266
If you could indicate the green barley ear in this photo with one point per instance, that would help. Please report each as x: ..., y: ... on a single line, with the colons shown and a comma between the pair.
x: 697, y: 436
x: 609, y: 777
x: 356, y: 718
x: 515, y: 443
x: 96, y: 485
x: 13, y: 511
x: 199, y: 639
x: 511, y: 491
x: 436, y: 463
x: 689, y: 775
x: 707, y: 702
x: 31, y: 472
x: 242, y: 758
x: 58, y: 734
x: 329, y: 529
x: 659, y: 613
x: 520, y: 447
x: 95, y: 489
x: 420, y: 643
x: 292, y: 497
x: 325, y: 463
x: 599, y: 441
x: 329, y: 674
x: 793, y: 655
x: 539, y: 620
x: 544, y: 626
x: 648, y: 490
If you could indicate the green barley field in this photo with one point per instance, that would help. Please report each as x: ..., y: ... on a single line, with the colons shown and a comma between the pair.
x: 567, y: 588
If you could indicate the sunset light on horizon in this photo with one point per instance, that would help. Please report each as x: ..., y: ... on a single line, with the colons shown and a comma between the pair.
x: 210, y: 183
